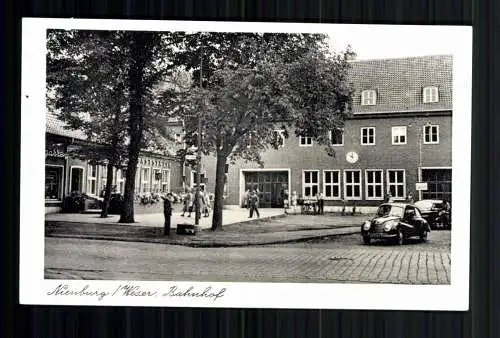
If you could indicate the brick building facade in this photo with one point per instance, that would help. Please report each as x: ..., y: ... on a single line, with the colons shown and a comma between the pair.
x: 400, y: 134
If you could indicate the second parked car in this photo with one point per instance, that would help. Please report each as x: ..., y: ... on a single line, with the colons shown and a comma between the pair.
x: 436, y: 212
x: 396, y: 221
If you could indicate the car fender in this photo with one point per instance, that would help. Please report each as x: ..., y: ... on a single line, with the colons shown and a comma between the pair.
x: 405, y: 227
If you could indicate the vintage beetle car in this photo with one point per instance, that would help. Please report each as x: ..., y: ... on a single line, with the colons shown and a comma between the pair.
x: 396, y: 221
x: 436, y: 212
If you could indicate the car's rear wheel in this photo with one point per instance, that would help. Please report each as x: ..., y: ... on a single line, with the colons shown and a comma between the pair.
x: 400, y: 238
x: 423, y: 236
x: 367, y: 240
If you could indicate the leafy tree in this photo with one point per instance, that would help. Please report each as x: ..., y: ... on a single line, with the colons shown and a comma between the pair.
x: 250, y: 83
x: 87, y: 88
x: 108, y: 83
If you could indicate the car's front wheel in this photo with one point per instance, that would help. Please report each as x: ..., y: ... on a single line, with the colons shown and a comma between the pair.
x: 400, y: 238
x: 367, y: 240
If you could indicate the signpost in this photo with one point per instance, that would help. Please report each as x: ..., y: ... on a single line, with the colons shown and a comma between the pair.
x: 421, y: 186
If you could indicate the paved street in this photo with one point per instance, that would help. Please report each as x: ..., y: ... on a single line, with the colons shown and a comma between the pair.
x: 341, y: 259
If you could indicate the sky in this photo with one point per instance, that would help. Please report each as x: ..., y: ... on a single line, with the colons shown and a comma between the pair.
x: 368, y: 41
x: 384, y: 41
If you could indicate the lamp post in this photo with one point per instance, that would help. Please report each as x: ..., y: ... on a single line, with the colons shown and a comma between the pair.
x: 198, y: 156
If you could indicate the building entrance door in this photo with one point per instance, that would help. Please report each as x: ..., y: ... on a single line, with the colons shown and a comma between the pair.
x: 76, y: 179
x: 438, y: 184
x: 271, y: 185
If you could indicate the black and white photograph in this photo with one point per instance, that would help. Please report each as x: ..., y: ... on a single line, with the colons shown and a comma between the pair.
x: 245, y: 164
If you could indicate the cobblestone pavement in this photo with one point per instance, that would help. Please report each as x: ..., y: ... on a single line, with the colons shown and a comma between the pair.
x: 343, y: 259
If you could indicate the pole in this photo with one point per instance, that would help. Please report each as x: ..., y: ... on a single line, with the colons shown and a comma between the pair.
x: 198, y: 157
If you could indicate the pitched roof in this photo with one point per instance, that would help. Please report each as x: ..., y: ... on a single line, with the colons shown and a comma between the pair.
x: 399, y: 83
x: 58, y: 127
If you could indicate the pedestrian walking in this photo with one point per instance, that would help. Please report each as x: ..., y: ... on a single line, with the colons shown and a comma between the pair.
x: 167, y: 213
x: 253, y: 200
x: 188, y: 203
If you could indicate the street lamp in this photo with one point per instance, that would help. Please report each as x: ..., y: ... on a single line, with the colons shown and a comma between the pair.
x: 198, y: 156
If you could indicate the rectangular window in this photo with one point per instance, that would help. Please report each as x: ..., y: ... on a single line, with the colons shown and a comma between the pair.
x: 368, y: 98
x: 396, y: 183
x: 120, y: 181
x: 374, y: 183
x: 103, y: 170
x: 398, y: 135
x: 145, y: 178
x: 431, y: 134
x: 310, y: 183
x: 165, y: 179
x: 430, y: 94
x: 368, y: 135
x: 305, y: 141
x: 331, y: 184
x: 92, y: 179
x: 53, y: 182
x: 352, y: 184
x: 279, y: 135
x: 157, y: 180
x: 337, y: 137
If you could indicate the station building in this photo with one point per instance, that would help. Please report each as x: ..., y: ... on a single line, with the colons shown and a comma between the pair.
x: 398, y: 141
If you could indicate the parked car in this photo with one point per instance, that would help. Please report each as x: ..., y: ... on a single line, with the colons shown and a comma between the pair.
x: 78, y: 202
x: 436, y: 212
x: 396, y: 221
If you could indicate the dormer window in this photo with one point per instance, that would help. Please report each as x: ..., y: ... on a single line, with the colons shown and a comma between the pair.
x: 279, y: 136
x: 368, y: 97
x: 430, y: 94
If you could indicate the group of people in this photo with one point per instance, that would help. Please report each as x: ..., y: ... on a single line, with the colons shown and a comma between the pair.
x: 189, y: 202
x: 251, y: 201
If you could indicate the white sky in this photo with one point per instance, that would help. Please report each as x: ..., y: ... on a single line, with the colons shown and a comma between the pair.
x: 384, y: 41
x: 368, y: 41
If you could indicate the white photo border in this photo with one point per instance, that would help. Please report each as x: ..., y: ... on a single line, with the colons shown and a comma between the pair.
x: 34, y: 289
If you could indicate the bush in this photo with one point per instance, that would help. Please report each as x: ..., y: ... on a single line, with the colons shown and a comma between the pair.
x: 74, y: 203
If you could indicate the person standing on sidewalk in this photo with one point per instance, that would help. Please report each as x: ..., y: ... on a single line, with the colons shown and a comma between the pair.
x: 246, y: 195
x: 321, y: 202
x: 253, y: 200
x: 285, y: 196
x: 188, y: 203
x: 167, y: 213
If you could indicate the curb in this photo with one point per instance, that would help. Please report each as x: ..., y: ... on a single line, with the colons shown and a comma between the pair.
x: 201, y: 245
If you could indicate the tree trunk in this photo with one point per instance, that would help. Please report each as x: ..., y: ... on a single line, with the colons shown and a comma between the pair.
x: 112, y: 162
x: 107, y: 192
x: 127, y: 212
x: 136, y: 119
x: 220, y: 174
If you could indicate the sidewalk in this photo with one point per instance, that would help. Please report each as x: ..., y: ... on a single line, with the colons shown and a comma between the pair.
x: 271, y: 230
x: 230, y: 216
